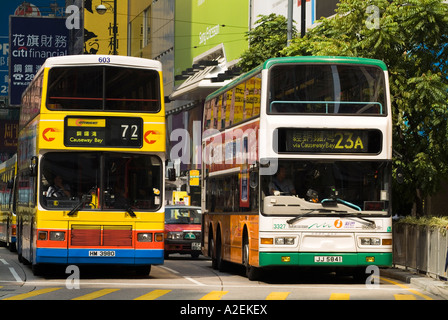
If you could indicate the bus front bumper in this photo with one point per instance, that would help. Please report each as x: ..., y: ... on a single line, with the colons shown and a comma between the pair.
x: 99, y: 256
x: 322, y: 259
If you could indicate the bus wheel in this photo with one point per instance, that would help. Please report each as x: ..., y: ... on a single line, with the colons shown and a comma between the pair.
x: 360, y: 275
x: 143, y: 270
x: 37, y: 269
x: 220, y: 263
x: 213, y: 253
x: 217, y: 262
x: 12, y: 247
x: 252, y: 273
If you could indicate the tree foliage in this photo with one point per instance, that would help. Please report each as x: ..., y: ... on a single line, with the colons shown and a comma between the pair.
x: 265, y: 41
x: 411, y: 37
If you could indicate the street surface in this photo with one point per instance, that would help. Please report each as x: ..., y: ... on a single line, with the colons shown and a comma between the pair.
x: 184, y: 278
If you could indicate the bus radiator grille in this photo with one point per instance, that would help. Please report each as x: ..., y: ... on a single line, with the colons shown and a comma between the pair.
x: 97, y: 235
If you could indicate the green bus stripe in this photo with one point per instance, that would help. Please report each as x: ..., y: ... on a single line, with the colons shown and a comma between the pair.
x: 307, y: 259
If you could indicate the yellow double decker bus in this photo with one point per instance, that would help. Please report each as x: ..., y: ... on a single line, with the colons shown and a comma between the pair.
x: 8, y: 170
x: 91, y: 157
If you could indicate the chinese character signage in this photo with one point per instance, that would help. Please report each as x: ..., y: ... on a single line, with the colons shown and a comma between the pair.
x: 33, y: 40
x: 21, y: 8
x: 99, y: 29
x: 103, y: 132
x: 294, y: 140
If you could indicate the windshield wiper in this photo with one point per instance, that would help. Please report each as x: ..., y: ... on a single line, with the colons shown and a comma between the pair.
x: 130, y: 211
x: 309, y: 213
x: 340, y: 212
x: 86, y: 198
x: 371, y: 222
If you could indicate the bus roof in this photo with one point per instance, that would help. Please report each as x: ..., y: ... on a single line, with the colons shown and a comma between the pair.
x: 324, y: 59
x: 87, y: 59
x: 300, y: 59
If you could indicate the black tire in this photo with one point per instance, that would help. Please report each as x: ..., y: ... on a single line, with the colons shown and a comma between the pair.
x: 211, y: 244
x: 37, y: 269
x: 220, y: 263
x: 252, y: 273
x: 143, y: 270
x: 360, y: 275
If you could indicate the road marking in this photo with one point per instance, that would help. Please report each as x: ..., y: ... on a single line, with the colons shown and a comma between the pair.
x: 169, y: 269
x: 407, y: 288
x: 404, y: 297
x: 194, y: 281
x: 153, y: 295
x: 277, y: 296
x: 15, y: 275
x: 4, y: 261
x: 187, y: 278
x: 214, y: 295
x: 96, y: 294
x: 32, y: 294
x: 340, y: 296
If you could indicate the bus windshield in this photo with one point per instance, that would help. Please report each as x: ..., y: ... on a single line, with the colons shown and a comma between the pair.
x: 103, y: 88
x: 327, y: 89
x: 327, y: 187
x: 100, y: 181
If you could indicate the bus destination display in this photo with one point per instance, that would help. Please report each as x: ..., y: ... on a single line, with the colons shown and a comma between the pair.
x: 103, y: 132
x: 294, y: 140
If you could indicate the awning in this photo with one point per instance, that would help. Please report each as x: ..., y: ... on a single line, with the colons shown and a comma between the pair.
x: 209, y: 72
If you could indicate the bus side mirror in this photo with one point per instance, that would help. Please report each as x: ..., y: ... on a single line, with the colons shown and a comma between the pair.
x: 33, y: 166
x: 172, y: 174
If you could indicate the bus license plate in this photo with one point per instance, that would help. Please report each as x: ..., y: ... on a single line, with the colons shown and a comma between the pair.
x: 325, y: 259
x: 101, y: 253
x: 196, y: 246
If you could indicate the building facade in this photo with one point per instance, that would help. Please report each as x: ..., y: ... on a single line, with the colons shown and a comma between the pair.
x: 199, y: 43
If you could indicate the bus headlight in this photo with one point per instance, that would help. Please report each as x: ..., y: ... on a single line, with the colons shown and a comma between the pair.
x: 144, y: 237
x: 370, y: 241
x: 284, y: 241
x: 57, y: 235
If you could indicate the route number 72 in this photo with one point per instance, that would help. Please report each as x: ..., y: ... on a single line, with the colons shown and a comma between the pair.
x: 131, y: 130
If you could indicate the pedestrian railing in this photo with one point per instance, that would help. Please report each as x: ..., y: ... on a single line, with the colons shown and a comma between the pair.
x: 421, y: 248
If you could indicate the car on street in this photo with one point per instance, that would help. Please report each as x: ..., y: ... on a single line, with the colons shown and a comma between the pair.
x: 183, y: 230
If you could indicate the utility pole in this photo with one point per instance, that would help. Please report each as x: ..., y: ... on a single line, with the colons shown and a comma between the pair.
x: 303, y: 18
x: 290, y: 18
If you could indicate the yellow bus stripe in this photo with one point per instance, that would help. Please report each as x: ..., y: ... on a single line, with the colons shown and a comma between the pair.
x: 96, y: 294
x: 214, y: 295
x: 277, y: 296
x: 32, y: 294
x: 153, y: 295
x: 404, y: 297
x: 407, y: 288
x: 340, y: 296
